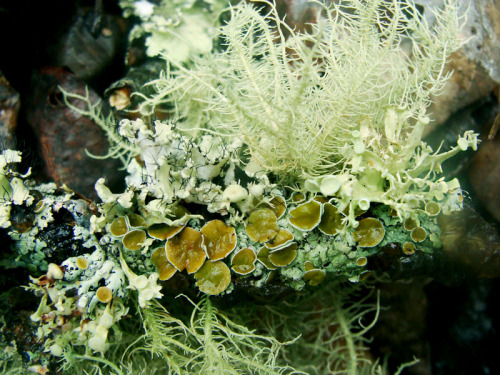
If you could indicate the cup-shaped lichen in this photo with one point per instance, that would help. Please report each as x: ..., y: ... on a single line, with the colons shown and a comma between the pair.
x: 331, y: 220
x: 185, y: 250
x: 243, y: 261
x: 82, y: 263
x: 306, y: 216
x: 104, y: 294
x: 432, y: 208
x: 361, y: 262
x: 284, y: 256
x: 136, y: 221
x: 162, y: 231
x: 370, y: 232
x: 277, y: 205
x: 314, y: 276
x: 213, y: 277
x: 329, y: 185
x: 218, y: 239
x: 418, y: 234
x: 408, y: 248
x: 134, y: 240
x: 263, y: 257
x: 262, y: 225
x: 282, y: 239
x: 119, y: 226
x: 39, y: 207
x: 410, y: 224
x: 159, y: 259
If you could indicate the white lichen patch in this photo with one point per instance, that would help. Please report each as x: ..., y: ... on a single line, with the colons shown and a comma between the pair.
x: 102, y: 267
x: 182, y: 29
x: 145, y: 285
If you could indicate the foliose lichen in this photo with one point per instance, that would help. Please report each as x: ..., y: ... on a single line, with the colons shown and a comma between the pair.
x: 290, y: 157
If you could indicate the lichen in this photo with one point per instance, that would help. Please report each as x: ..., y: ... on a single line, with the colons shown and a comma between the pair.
x: 296, y: 125
x: 300, y: 152
x: 181, y: 29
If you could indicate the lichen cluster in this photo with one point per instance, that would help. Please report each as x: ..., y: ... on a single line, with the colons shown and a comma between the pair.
x: 339, y: 110
x: 179, y: 28
x: 287, y: 158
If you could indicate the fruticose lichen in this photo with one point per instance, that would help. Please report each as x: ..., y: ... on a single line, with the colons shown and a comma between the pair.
x: 288, y: 157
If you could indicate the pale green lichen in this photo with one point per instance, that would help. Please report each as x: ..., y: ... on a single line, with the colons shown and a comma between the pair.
x: 349, y: 127
x: 102, y: 266
x: 12, y: 188
x: 359, y: 115
x: 64, y: 322
x: 334, y: 115
x: 177, y: 28
x: 147, y: 287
